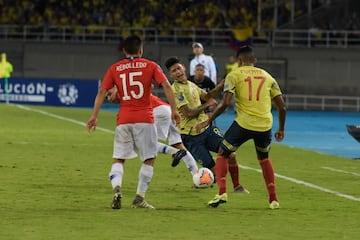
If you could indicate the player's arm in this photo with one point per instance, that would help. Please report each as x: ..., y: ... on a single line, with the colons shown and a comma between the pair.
x: 194, y: 112
x: 225, y: 102
x: 281, y: 108
x: 213, y: 93
x: 112, y: 95
x: 175, y: 116
x: 100, y: 97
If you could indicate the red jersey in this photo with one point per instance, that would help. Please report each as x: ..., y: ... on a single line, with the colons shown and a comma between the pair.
x: 133, y: 78
x: 155, y: 101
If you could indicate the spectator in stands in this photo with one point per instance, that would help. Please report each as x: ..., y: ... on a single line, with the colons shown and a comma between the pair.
x: 206, y: 60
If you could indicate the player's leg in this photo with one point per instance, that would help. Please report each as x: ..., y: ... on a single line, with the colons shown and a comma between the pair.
x: 164, y: 125
x: 234, y: 137
x: 175, y: 140
x: 221, y: 169
x: 122, y: 150
x: 116, y: 175
x: 177, y: 154
x: 144, y: 132
x: 228, y: 145
x: 197, y: 147
x: 262, y: 142
x: 188, y: 159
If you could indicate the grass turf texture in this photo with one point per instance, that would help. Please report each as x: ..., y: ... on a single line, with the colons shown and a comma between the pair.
x: 54, y: 185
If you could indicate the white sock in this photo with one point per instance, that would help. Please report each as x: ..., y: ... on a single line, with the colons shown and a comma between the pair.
x: 116, y: 174
x: 190, y: 163
x: 166, y: 149
x: 145, y: 175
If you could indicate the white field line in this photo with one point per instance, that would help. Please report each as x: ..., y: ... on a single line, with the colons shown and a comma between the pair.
x: 297, y: 181
x: 341, y: 171
x: 61, y: 118
x: 294, y: 180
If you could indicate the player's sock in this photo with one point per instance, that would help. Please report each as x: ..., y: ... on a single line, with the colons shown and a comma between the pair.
x: 234, y: 173
x: 221, y: 169
x: 269, y: 177
x: 116, y: 174
x: 145, y: 175
x: 165, y: 149
x: 190, y: 163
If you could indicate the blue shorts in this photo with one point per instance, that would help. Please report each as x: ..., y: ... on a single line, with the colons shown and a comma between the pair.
x: 201, y: 145
x: 235, y: 136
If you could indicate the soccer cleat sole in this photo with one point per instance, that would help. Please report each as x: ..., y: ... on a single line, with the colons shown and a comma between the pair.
x: 177, y: 157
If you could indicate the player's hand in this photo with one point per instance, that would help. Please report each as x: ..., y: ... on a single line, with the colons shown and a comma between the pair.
x: 175, y: 116
x: 211, y: 102
x: 202, y: 125
x: 279, y: 135
x: 91, y: 124
x: 112, y: 95
x: 221, y: 83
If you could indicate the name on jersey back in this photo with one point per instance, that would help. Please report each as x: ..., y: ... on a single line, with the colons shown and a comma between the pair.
x: 122, y: 67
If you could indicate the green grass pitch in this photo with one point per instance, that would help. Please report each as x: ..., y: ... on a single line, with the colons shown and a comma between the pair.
x: 54, y: 185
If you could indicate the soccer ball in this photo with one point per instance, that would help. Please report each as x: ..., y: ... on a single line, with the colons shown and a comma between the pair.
x: 203, y: 178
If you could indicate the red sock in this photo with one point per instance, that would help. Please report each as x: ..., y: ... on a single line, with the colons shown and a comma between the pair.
x: 234, y: 173
x: 269, y: 177
x: 221, y: 169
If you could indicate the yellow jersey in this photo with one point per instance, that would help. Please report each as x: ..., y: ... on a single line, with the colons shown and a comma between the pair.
x: 253, y: 89
x: 188, y: 94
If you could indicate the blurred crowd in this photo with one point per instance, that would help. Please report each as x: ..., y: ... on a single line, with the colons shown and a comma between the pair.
x: 162, y: 14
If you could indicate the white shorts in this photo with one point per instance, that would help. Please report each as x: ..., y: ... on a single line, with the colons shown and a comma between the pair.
x: 166, y: 130
x: 135, y: 136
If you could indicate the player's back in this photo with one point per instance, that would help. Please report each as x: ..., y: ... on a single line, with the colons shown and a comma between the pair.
x: 133, y: 78
x: 253, y: 89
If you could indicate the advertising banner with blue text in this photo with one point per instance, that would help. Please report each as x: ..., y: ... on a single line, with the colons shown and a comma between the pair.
x: 51, y: 92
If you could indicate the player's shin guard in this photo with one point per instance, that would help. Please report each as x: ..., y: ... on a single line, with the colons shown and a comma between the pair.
x: 116, y: 174
x: 145, y: 175
x: 221, y: 169
x: 190, y: 163
x: 269, y: 177
x: 165, y: 149
x: 234, y: 173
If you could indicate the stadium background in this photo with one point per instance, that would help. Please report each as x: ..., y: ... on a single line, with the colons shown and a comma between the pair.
x: 311, y: 47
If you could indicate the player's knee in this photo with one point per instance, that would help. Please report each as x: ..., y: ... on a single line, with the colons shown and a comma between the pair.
x: 262, y: 155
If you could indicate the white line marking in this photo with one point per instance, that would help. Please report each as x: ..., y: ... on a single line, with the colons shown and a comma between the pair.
x: 307, y: 184
x: 61, y: 117
x: 341, y: 171
x: 242, y: 166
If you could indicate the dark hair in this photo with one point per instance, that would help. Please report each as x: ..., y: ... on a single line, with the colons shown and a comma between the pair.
x: 132, y: 44
x: 199, y: 65
x: 171, y: 61
x: 244, y: 50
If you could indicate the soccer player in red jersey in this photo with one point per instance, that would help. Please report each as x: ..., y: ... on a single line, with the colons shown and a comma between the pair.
x: 135, y: 128
x: 254, y: 90
x: 166, y: 131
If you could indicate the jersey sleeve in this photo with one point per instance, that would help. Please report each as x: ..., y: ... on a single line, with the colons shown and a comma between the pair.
x: 159, y: 75
x: 108, y: 80
x: 275, y: 89
x: 229, y: 85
